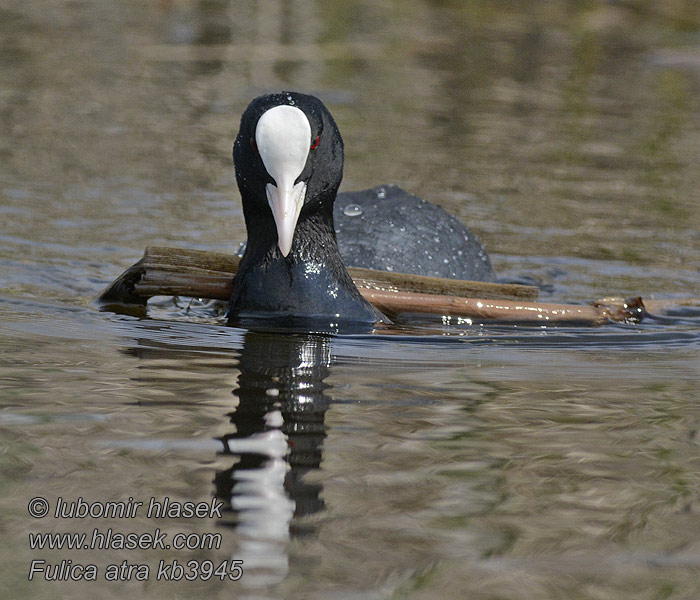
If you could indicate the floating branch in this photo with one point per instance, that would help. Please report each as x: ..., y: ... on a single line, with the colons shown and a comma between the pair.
x: 505, y: 311
x: 200, y: 274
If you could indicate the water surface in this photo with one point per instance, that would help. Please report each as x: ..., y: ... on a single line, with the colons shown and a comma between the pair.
x: 428, y: 461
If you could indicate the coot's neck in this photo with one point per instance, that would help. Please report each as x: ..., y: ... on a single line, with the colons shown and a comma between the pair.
x: 311, y: 282
x: 314, y: 238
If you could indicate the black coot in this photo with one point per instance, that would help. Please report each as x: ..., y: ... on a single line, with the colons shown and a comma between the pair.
x: 288, y: 157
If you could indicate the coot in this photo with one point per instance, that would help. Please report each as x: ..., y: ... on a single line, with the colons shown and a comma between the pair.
x: 288, y: 157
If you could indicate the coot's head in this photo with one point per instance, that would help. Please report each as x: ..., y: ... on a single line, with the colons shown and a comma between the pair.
x: 288, y: 157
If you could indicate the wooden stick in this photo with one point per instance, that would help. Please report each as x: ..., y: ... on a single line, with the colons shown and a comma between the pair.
x: 505, y: 311
x: 403, y: 282
x: 200, y: 274
x: 177, y: 271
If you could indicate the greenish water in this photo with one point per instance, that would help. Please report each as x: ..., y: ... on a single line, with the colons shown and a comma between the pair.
x: 435, y: 462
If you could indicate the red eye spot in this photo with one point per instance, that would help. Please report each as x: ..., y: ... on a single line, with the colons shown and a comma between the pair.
x: 314, y: 144
x: 253, y: 145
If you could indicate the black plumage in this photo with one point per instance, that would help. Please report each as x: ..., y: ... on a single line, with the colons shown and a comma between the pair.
x: 311, y: 282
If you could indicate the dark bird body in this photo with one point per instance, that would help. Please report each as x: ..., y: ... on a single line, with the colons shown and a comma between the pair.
x: 388, y: 229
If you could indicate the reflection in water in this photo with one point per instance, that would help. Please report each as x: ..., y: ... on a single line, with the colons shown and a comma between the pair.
x: 279, y: 433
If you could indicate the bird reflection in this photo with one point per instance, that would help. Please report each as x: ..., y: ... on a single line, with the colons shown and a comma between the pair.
x: 279, y: 432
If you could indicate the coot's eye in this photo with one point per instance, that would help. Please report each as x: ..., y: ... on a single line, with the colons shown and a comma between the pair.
x: 253, y: 145
x: 314, y: 144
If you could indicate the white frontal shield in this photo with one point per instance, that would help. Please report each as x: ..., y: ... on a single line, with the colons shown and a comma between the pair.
x: 283, y: 138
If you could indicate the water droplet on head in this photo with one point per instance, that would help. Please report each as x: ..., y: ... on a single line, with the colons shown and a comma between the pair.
x: 381, y: 193
x: 352, y: 210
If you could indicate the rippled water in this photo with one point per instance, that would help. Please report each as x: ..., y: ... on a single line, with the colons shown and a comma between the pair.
x: 420, y: 462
